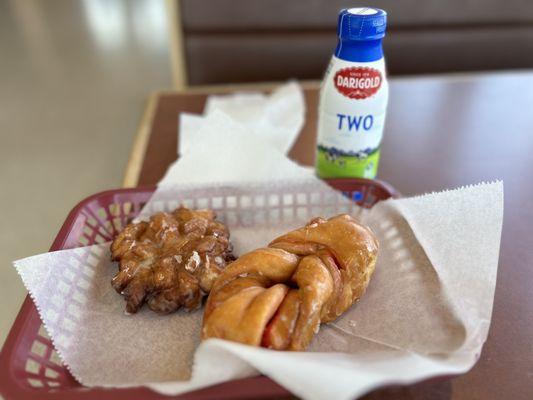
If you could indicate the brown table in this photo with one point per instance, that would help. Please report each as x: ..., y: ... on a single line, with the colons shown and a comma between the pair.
x: 441, y: 132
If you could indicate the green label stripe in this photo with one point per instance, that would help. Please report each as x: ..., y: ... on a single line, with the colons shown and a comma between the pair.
x: 346, y: 166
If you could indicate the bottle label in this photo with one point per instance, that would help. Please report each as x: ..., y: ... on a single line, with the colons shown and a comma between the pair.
x: 353, y: 103
x: 357, y: 82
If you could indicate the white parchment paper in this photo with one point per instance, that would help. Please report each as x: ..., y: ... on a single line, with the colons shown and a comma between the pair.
x: 225, y: 150
x: 426, y: 312
x: 276, y: 118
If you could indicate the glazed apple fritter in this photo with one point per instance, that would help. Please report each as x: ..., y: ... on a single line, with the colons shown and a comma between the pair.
x: 171, y: 260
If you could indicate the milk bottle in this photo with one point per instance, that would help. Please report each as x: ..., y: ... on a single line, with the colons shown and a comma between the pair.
x: 353, y: 98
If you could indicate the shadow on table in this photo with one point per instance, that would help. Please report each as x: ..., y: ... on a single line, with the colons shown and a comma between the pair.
x: 435, y: 389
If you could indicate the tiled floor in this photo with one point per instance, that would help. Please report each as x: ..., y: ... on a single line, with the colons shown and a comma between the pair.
x: 74, y: 76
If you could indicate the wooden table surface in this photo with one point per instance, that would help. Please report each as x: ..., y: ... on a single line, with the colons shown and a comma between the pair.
x: 441, y: 132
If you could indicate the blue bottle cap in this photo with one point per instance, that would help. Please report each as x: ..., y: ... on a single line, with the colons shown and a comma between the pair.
x: 362, y: 23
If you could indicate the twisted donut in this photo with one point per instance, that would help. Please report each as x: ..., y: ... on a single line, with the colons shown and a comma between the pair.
x: 278, y: 296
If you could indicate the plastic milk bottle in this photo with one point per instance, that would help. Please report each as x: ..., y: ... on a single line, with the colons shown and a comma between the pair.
x: 353, y: 98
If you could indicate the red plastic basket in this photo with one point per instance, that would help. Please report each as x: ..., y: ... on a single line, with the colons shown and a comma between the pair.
x: 29, y: 365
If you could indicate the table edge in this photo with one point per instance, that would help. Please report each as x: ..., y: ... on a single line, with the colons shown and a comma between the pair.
x: 138, y: 150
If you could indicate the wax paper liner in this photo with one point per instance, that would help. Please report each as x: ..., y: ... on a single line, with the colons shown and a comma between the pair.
x: 426, y: 312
